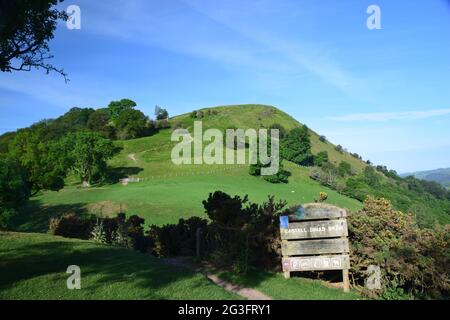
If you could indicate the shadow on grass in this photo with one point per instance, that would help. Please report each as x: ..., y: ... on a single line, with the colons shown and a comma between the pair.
x: 103, y: 266
x: 34, y: 215
x: 115, y: 174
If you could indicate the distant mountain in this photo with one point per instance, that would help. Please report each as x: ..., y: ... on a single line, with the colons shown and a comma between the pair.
x: 439, y: 175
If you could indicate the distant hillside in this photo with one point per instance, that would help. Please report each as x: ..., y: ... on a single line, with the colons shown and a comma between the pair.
x: 441, y: 175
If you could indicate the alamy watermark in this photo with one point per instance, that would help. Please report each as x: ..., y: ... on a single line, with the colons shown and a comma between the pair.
x: 74, y: 280
x: 374, y: 20
x: 232, y: 152
x: 74, y: 17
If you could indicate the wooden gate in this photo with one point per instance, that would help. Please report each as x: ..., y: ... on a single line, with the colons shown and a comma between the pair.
x: 315, y: 239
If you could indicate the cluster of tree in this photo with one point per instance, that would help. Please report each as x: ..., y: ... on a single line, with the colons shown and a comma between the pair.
x: 281, y: 176
x: 328, y: 174
x: 296, y: 147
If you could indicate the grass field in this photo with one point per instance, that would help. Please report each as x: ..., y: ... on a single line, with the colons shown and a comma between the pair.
x: 165, y: 200
x: 33, y: 266
x: 170, y: 192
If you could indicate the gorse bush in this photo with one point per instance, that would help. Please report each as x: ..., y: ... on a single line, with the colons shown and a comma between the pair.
x: 71, y: 225
x: 177, y: 239
x: 412, y: 260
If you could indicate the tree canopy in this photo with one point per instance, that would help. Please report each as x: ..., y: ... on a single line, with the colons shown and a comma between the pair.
x: 26, y: 27
x: 296, y: 147
x: 87, y: 154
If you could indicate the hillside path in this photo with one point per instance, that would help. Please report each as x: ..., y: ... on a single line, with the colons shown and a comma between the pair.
x: 247, y: 293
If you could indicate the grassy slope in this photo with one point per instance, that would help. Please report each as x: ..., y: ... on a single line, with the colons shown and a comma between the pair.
x: 169, y: 191
x: 33, y: 266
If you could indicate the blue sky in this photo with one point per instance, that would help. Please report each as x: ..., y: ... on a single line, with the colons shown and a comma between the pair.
x: 384, y: 94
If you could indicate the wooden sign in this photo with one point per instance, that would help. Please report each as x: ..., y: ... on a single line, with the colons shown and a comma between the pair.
x: 315, y: 211
x: 334, y: 262
x: 316, y: 229
x: 322, y: 246
x: 315, y: 239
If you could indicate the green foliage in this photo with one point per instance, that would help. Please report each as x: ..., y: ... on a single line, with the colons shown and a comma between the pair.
x: 247, y: 236
x: 280, y: 128
x: 41, y: 158
x: 161, y: 113
x: 13, y: 189
x: 131, y: 124
x: 321, y: 158
x: 87, y: 153
x: 411, y: 259
x: 327, y: 175
x: 117, y: 107
x: 26, y: 28
x: 296, y: 147
x: 99, y: 121
x: 344, y: 169
x: 339, y: 148
x: 71, y: 225
x: 282, y: 176
x: 177, y: 239
x: 323, y: 139
x: 5, y: 140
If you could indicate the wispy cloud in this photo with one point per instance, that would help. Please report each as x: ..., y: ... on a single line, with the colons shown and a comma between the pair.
x: 386, y: 116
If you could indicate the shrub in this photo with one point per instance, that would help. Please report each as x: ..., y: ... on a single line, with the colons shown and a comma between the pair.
x: 71, y: 225
x: 344, y: 169
x: 321, y: 158
x: 296, y: 147
x: 411, y: 259
x: 247, y: 237
x: 322, y: 138
x: 177, y: 239
x: 339, y: 148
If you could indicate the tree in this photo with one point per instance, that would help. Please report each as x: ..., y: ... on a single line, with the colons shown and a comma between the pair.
x: 321, y: 158
x: 99, y: 122
x: 117, y: 107
x: 296, y: 147
x: 26, y: 28
x: 43, y: 160
x: 323, y: 139
x: 131, y: 124
x: 161, y: 113
x: 371, y: 177
x: 88, y: 153
x: 339, y: 148
x: 344, y: 168
x: 281, y: 129
x: 13, y: 189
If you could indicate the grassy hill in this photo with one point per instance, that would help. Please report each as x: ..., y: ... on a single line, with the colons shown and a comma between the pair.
x: 441, y: 175
x: 169, y: 192
x: 33, y: 266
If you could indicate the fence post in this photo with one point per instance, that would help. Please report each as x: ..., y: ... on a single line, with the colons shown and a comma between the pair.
x: 198, y: 241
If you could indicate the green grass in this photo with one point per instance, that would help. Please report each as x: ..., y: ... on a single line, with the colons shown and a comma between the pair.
x: 295, y: 288
x: 33, y: 266
x: 165, y: 200
x: 170, y: 192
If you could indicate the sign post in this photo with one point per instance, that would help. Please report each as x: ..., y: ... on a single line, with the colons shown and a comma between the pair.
x: 315, y: 239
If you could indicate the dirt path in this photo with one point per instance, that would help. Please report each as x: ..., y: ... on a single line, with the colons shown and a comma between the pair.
x: 247, y: 293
